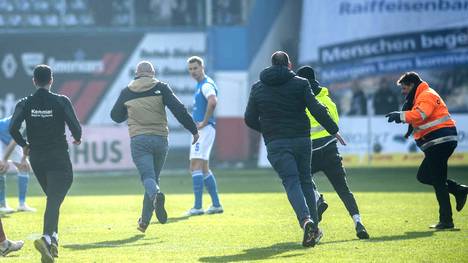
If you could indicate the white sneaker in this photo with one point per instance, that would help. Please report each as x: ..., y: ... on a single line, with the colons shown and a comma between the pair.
x: 214, y: 210
x: 6, y: 209
x: 195, y: 212
x: 26, y: 208
x: 11, y: 246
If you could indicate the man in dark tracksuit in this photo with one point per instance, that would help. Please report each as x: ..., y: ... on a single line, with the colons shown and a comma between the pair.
x: 143, y: 103
x: 46, y: 114
x: 276, y: 108
x: 326, y: 158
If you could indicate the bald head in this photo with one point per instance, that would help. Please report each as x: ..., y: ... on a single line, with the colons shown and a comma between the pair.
x: 280, y: 58
x: 145, y: 69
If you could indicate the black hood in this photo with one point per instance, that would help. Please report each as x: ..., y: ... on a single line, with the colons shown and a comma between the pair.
x: 315, y: 85
x: 276, y: 75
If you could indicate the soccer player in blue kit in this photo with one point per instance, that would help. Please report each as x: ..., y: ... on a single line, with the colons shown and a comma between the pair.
x: 205, y: 101
x: 13, y: 154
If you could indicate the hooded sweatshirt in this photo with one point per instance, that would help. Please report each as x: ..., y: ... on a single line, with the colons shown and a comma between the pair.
x: 143, y: 104
x: 277, y: 104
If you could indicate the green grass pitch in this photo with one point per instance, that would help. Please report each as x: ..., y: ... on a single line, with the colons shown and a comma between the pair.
x: 98, y: 221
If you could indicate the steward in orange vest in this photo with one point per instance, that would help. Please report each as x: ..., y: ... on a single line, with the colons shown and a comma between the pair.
x: 436, y: 135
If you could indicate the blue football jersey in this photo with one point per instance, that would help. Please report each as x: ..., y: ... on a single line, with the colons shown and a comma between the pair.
x: 5, y: 136
x: 200, y: 102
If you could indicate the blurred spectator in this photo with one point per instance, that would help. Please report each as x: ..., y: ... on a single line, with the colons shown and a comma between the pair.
x: 120, y: 12
x: 102, y: 12
x: 143, y: 12
x: 76, y: 5
x: 6, y: 6
x: 358, y: 101
x: 51, y: 20
x: 162, y: 10
x: 227, y: 12
x: 385, y: 99
x: 181, y: 15
x: 41, y: 6
x: 70, y: 20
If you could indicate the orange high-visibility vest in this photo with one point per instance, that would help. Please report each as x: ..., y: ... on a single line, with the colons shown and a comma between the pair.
x: 429, y: 112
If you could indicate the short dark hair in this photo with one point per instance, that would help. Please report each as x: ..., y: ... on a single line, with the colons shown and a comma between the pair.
x: 196, y: 59
x: 409, y: 78
x: 306, y: 72
x: 42, y: 75
x: 280, y: 58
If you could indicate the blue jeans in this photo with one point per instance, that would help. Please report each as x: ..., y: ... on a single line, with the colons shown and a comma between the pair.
x: 291, y: 160
x: 149, y: 154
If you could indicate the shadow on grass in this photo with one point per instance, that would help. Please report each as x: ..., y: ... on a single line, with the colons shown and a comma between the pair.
x: 405, y: 236
x: 173, y: 220
x: 127, y: 242
x: 261, y: 253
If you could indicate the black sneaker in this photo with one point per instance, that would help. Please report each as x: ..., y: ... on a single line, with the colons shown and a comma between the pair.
x: 43, y: 247
x: 159, y: 209
x: 318, y: 234
x: 54, y: 247
x: 321, y: 207
x: 142, y: 226
x: 460, y: 197
x: 361, y: 231
x: 309, y: 234
x: 442, y: 226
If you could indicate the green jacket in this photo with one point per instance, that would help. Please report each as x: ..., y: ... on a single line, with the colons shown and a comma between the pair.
x: 317, y: 131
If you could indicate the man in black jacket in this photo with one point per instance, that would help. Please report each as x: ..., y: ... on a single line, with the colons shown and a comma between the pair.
x: 46, y: 114
x: 277, y: 109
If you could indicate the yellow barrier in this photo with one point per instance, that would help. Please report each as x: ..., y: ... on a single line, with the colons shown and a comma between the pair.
x: 397, y: 160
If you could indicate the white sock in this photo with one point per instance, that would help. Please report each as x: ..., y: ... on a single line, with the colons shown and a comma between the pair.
x: 356, y: 219
x: 317, y: 195
x: 55, y: 236
x: 47, y: 239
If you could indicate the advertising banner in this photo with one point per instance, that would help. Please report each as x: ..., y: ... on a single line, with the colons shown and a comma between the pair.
x: 84, y: 66
x: 92, y: 69
x: 360, y: 48
x: 375, y: 142
x: 103, y: 149
x: 381, y: 24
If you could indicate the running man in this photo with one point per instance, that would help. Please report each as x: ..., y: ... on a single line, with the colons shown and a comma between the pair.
x: 326, y: 158
x: 46, y: 115
x: 143, y: 103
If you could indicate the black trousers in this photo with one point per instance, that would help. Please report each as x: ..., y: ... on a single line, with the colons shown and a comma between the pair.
x: 53, y: 170
x: 328, y: 160
x: 433, y: 171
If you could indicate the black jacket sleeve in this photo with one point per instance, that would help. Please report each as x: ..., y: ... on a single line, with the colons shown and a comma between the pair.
x: 70, y: 118
x: 251, y: 115
x: 15, y: 123
x: 119, y: 111
x: 178, y: 109
x: 319, y: 111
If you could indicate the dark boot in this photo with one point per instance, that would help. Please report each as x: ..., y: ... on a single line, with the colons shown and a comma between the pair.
x: 321, y: 207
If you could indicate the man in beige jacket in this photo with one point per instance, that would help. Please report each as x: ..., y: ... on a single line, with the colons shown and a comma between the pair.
x: 143, y: 104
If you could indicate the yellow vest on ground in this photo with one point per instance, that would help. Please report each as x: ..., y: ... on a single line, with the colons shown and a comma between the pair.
x: 316, y: 130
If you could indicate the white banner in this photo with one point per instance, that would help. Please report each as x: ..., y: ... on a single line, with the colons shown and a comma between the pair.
x: 326, y: 23
x: 375, y: 135
x: 102, y: 149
